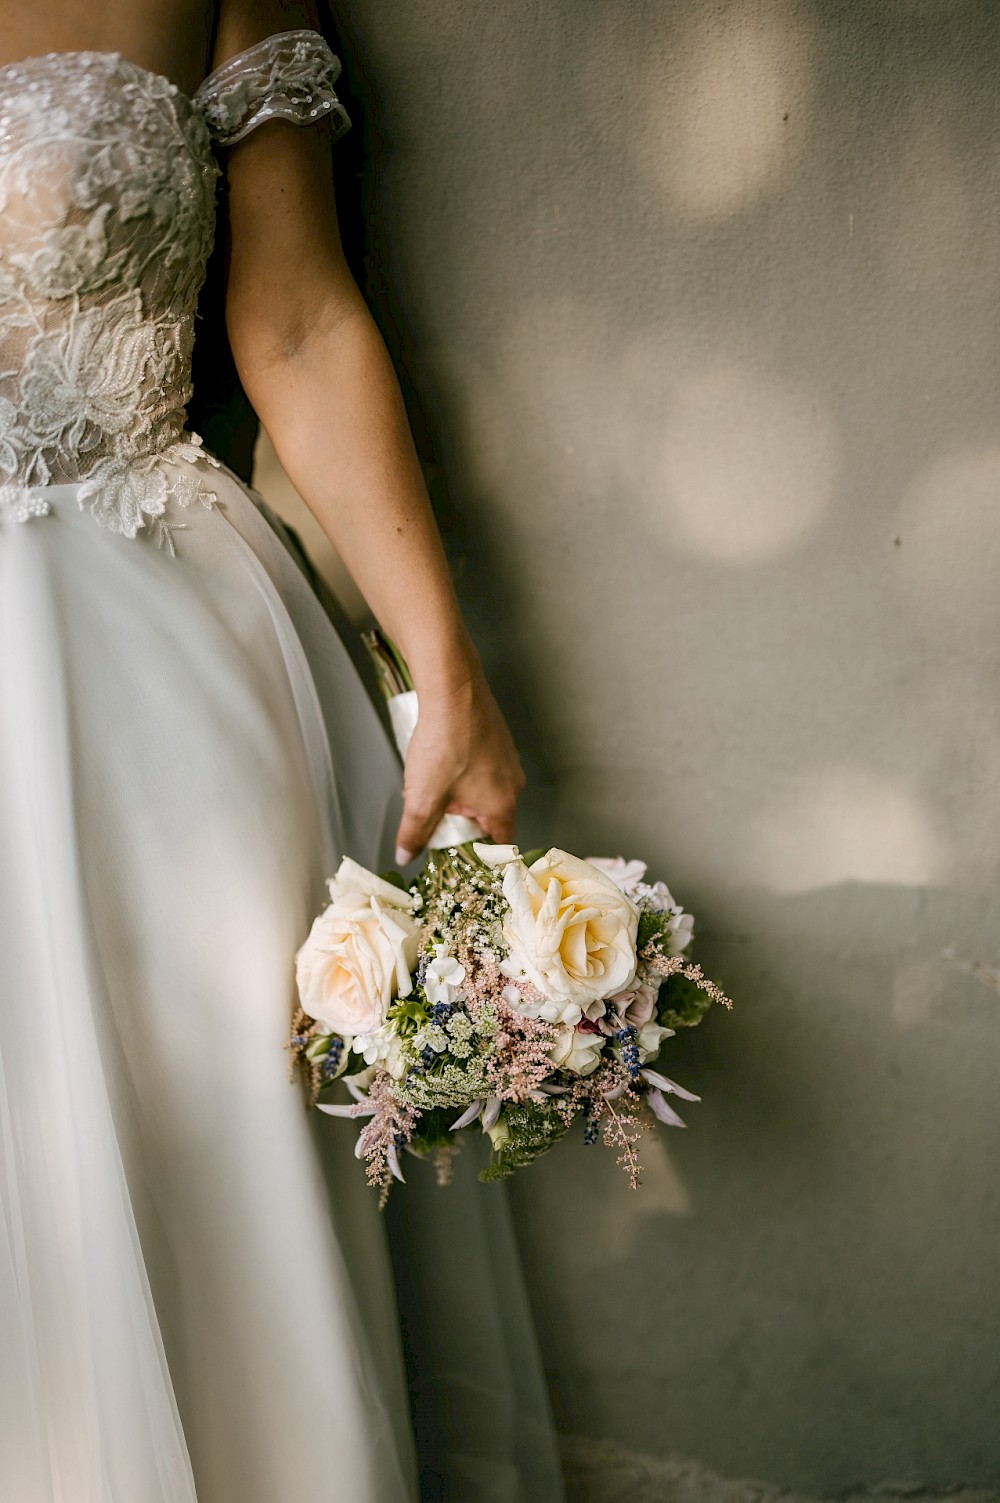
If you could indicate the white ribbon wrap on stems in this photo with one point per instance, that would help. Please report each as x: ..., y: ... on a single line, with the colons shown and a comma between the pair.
x: 452, y: 829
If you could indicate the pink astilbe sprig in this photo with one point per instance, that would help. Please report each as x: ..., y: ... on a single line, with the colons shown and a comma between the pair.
x: 673, y: 965
x: 519, y: 1061
x: 622, y: 1128
x: 445, y: 1155
x: 391, y: 1125
x: 611, y: 1101
x: 587, y: 1093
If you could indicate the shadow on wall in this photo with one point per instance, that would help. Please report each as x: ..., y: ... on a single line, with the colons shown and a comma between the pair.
x: 794, y: 1233
x: 695, y: 311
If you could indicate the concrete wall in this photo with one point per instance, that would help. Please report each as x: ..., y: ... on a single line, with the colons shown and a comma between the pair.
x: 696, y: 303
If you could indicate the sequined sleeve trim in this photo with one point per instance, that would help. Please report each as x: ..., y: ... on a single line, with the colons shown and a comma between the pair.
x: 288, y: 76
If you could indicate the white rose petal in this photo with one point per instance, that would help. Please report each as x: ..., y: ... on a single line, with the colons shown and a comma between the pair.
x: 351, y: 878
x: 495, y: 855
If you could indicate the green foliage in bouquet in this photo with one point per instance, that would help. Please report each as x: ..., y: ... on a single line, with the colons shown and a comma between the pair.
x: 685, y: 993
x: 434, y: 1132
x: 682, y: 1003
x: 531, y: 1130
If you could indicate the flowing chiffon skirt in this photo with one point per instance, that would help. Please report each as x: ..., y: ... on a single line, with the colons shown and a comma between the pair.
x: 197, y: 1299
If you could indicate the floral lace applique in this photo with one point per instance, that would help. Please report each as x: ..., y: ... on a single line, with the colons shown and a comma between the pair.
x: 107, y: 217
x: 107, y: 191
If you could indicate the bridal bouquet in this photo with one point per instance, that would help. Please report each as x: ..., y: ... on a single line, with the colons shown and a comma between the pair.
x: 501, y: 992
x: 513, y: 993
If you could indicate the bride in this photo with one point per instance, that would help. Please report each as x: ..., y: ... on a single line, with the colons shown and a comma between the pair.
x: 195, y: 1299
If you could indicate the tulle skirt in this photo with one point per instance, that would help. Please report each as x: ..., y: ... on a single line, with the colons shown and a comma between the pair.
x: 197, y: 1297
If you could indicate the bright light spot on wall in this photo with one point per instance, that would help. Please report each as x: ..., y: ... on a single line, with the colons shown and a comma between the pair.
x: 747, y: 465
x: 846, y: 825
x: 723, y: 104
x: 949, y: 541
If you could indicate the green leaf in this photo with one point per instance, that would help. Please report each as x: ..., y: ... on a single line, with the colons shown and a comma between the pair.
x: 432, y: 1131
x: 681, y: 1003
x: 534, y: 855
x: 394, y: 879
x: 319, y: 1046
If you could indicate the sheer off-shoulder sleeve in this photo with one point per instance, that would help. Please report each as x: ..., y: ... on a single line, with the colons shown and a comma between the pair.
x: 289, y: 76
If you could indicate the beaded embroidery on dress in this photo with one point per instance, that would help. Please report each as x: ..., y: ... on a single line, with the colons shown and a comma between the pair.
x: 288, y: 77
x: 107, y: 217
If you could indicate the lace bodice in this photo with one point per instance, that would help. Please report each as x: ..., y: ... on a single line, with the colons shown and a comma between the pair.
x: 107, y: 215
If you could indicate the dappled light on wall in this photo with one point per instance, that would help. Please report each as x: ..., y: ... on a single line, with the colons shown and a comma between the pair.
x: 747, y: 465
x: 723, y: 103
x: 845, y: 824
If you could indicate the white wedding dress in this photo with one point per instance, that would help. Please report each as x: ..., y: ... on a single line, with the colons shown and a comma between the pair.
x: 196, y: 1298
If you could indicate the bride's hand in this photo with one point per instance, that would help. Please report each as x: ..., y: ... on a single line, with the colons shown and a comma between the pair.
x: 460, y: 760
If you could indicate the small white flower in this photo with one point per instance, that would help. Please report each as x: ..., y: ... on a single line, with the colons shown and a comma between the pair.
x: 657, y: 895
x: 380, y: 1050
x: 373, y: 1046
x: 681, y: 932
x: 443, y: 977
x: 431, y: 1037
x: 649, y: 1039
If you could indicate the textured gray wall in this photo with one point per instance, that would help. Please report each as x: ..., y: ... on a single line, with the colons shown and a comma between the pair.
x: 698, y: 306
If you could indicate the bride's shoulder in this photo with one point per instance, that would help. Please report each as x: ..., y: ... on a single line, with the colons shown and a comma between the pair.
x: 270, y: 61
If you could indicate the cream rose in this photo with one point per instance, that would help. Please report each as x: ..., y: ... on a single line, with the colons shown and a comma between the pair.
x: 576, y: 1051
x: 571, y: 930
x: 359, y: 952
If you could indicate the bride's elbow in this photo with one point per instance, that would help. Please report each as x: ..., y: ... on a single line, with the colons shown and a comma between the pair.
x: 272, y: 328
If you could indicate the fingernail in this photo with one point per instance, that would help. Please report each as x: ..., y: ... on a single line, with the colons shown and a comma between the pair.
x: 403, y: 856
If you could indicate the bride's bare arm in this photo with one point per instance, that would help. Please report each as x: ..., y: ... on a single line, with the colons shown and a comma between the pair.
x: 319, y: 376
